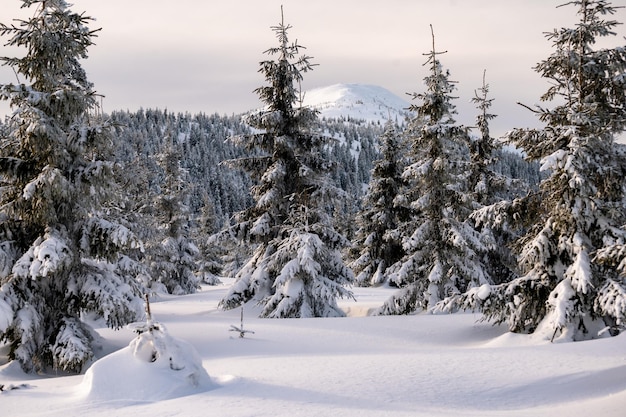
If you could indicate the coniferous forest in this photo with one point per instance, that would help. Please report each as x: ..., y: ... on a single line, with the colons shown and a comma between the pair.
x: 97, y: 210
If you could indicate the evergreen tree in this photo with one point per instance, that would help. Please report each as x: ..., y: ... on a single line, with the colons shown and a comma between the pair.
x: 482, y: 148
x: 570, y: 256
x: 442, y: 251
x: 210, y: 265
x: 296, y: 269
x: 488, y: 187
x: 495, y: 173
x: 60, y: 255
x: 376, y: 246
x: 173, y: 260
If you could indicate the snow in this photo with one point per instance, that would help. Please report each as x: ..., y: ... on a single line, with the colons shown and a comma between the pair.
x: 155, y: 366
x: 357, y: 102
x: 47, y: 254
x: 6, y: 315
x: 416, y: 365
x: 483, y: 292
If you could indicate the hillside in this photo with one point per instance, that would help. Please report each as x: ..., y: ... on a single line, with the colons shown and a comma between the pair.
x: 357, y: 102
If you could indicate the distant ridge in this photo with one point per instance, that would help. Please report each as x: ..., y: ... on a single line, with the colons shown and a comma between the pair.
x: 357, y: 102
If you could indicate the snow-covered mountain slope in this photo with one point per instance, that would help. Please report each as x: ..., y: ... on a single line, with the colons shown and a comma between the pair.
x: 358, y: 102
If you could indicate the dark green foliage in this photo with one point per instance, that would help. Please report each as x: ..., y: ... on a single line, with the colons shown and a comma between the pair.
x: 296, y: 269
x: 59, y: 252
x: 486, y: 187
x: 173, y: 254
x: 570, y: 271
x: 376, y: 246
x: 442, y: 252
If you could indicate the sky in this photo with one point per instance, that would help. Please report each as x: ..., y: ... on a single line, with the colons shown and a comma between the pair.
x: 203, y: 56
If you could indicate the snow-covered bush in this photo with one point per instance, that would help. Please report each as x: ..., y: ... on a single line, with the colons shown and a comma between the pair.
x: 154, y: 366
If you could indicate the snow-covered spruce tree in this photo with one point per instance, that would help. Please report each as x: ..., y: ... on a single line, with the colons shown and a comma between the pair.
x: 173, y: 258
x: 442, y: 252
x: 487, y: 180
x: 565, y: 292
x: 210, y: 265
x: 482, y: 179
x: 296, y: 269
x: 59, y: 253
x: 489, y: 187
x: 376, y: 246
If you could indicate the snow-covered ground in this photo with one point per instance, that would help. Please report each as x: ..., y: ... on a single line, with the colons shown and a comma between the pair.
x: 419, y: 365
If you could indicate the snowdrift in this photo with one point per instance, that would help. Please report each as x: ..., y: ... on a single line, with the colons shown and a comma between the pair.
x: 155, y: 366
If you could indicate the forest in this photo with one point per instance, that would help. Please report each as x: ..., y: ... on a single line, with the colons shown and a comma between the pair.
x: 99, y: 210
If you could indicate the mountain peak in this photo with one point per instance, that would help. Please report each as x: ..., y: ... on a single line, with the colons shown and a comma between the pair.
x: 357, y: 101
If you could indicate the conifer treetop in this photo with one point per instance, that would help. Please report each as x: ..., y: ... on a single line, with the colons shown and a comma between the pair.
x: 46, y: 63
x: 436, y: 101
x: 284, y: 72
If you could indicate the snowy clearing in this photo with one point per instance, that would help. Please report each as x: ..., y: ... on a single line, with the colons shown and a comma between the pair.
x: 419, y: 365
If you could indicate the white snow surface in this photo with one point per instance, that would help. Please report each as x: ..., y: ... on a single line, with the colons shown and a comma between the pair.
x: 360, y: 365
x: 155, y: 366
x: 357, y: 102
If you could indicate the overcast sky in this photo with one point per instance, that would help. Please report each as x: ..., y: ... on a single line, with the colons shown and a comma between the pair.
x: 202, y: 56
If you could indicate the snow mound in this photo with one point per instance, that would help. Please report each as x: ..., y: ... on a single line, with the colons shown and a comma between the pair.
x: 357, y: 102
x: 154, y: 366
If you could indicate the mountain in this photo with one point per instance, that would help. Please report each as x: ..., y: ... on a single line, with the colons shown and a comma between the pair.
x: 358, y: 102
